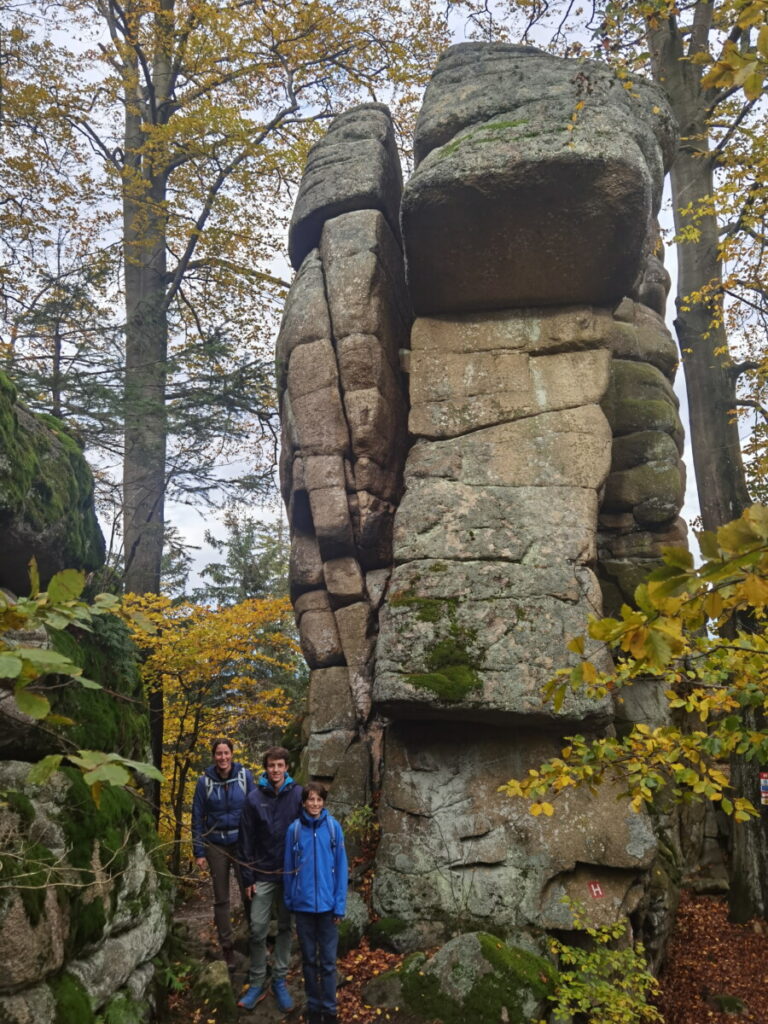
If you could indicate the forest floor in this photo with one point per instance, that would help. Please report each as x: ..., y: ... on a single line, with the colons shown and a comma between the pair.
x: 716, y: 972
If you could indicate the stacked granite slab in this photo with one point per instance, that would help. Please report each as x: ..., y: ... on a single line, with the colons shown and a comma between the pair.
x: 646, y: 486
x: 446, y: 548
x: 529, y: 217
x: 344, y: 421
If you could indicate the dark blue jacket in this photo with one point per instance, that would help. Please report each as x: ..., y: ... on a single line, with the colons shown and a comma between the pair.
x: 315, y: 866
x: 265, y: 817
x: 217, y: 805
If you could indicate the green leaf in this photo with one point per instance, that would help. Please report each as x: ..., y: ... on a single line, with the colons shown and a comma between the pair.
x: 66, y: 586
x: 659, y: 651
x: 90, y: 759
x: 680, y: 558
x: 56, y: 620
x: 43, y: 770
x: 89, y: 684
x: 144, y: 769
x: 32, y: 704
x: 109, y: 772
x: 59, y: 720
x: 708, y: 545
x: 10, y: 665
x: 45, y: 658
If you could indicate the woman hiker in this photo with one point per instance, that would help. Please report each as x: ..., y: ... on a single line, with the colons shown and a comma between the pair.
x: 315, y: 889
x: 219, y: 797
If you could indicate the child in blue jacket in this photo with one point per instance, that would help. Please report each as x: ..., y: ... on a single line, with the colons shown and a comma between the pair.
x: 315, y: 889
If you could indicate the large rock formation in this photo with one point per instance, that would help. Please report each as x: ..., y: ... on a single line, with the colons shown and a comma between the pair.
x: 454, y: 524
x: 46, y: 497
x: 84, y: 897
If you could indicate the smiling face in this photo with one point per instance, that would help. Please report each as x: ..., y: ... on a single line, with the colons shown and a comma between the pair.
x: 276, y: 771
x: 313, y: 804
x: 222, y: 758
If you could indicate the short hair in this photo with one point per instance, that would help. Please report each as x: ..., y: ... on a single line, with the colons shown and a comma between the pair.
x: 314, y: 787
x: 276, y: 754
x: 218, y: 743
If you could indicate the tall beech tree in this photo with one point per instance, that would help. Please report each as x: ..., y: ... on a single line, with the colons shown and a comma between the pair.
x: 187, y: 121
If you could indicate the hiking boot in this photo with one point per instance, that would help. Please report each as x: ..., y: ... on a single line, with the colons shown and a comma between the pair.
x: 313, y: 1017
x: 229, y: 957
x: 253, y: 996
x: 329, y: 1018
x: 282, y: 995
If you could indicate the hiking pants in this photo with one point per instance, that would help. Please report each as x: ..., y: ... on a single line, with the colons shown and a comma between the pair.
x: 222, y: 860
x: 319, y: 941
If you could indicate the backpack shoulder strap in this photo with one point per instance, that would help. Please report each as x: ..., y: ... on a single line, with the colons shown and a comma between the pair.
x: 208, y: 785
x: 333, y: 825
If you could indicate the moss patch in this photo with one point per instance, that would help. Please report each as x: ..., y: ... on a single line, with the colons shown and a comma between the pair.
x: 72, y: 1002
x: 121, y: 1009
x: 499, y: 994
x: 426, y: 609
x: 451, y: 664
x: 46, y: 495
x: 488, y: 132
x: 29, y: 867
x: 102, y: 720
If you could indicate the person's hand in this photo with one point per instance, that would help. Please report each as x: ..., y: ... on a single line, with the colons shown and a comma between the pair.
x: 337, y: 919
x: 249, y: 890
x: 201, y: 862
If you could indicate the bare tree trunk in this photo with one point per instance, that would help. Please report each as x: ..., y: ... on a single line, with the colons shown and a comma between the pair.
x: 146, y: 352
x: 710, y: 385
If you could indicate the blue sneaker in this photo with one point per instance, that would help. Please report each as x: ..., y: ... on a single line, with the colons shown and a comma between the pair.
x: 253, y: 996
x: 282, y: 995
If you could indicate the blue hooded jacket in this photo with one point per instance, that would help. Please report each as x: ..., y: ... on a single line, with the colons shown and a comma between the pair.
x: 315, y: 865
x: 217, y: 805
x: 265, y: 817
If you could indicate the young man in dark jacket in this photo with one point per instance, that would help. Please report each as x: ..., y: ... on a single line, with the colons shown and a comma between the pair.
x: 219, y: 797
x: 268, y: 811
x: 315, y: 889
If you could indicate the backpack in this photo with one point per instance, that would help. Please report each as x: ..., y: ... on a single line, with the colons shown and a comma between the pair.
x: 296, y: 832
x: 240, y: 779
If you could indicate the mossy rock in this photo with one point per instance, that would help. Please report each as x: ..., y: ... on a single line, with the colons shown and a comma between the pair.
x: 477, y: 977
x: 121, y: 1009
x: 46, y: 497
x: 381, y: 933
x: 213, y: 988
x: 451, y: 662
x: 104, y: 721
x: 72, y: 1002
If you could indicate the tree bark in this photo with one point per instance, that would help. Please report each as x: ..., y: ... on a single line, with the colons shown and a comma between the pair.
x: 710, y: 386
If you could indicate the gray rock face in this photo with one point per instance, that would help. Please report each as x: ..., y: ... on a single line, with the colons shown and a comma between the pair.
x: 344, y: 414
x: 355, y: 166
x: 99, y: 927
x: 451, y: 538
x: 456, y: 851
x: 510, y: 138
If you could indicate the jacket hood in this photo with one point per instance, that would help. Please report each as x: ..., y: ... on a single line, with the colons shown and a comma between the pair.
x: 264, y: 782
x: 307, y: 819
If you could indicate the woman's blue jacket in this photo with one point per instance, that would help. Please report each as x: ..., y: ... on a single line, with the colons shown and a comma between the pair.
x: 217, y: 805
x: 315, y: 869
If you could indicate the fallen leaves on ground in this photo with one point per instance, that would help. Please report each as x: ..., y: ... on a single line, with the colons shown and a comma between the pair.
x: 357, y: 968
x: 716, y: 971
